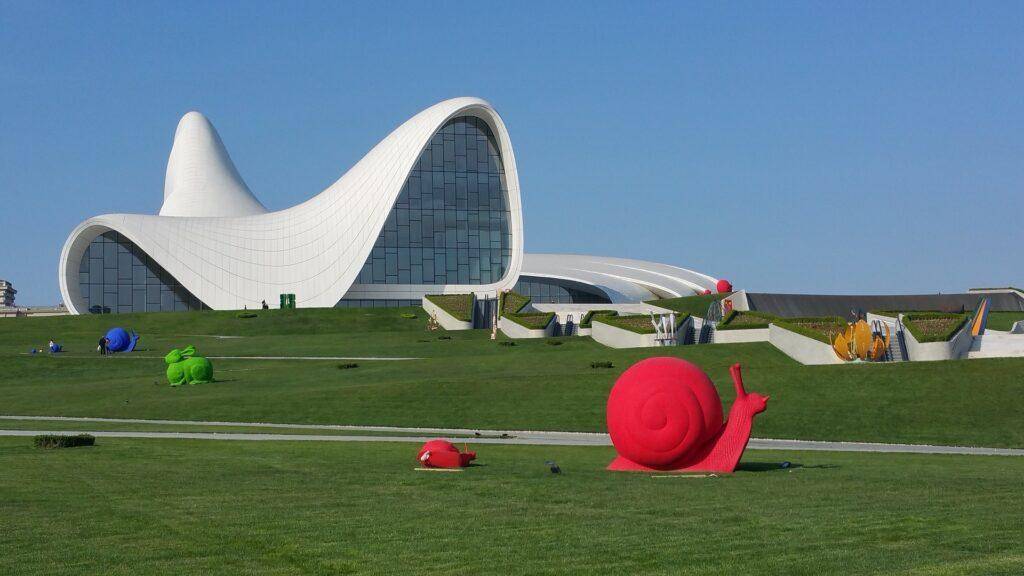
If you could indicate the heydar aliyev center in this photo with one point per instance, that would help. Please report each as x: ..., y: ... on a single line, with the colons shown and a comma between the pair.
x: 433, y: 208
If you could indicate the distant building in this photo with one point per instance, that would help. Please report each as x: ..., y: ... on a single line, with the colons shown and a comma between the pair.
x: 7, y: 293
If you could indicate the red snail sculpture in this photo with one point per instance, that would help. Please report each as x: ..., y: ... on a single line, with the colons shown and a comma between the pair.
x: 665, y: 414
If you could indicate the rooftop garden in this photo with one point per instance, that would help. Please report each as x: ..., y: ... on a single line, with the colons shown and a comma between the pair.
x: 532, y: 320
x: 639, y: 323
x: 513, y: 302
x: 694, y: 305
x: 737, y: 320
x: 460, y: 306
x: 934, y: 326
x: 822, y: 328
x: 589, y: 316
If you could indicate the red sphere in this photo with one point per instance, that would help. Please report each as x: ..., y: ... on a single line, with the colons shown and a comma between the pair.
x: 724, y: 286
x: 660, y: 409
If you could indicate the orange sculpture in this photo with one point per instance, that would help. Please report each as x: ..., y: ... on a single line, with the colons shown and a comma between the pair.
x: 860, y: 342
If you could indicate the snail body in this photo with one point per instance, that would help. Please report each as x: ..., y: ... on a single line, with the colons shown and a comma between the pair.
x: 665, y: 414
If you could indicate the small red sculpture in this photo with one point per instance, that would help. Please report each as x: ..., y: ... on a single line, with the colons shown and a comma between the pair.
x: 723, y: 286
x: 443, y: 454
x: 707, y: 291
x: 665, y: 414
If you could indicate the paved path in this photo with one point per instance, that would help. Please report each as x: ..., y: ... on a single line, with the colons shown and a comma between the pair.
x: 466, y: 435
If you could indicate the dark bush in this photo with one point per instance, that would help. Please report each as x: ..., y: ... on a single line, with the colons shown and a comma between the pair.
x: 507, y: 343
x: 444, y: 337
x: 246, y: 315
x: 63, y: 441
x: 603, y: 364
x: 553, y: 342
x: 347, y: 366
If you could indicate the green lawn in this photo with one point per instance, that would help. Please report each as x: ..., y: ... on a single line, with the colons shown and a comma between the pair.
x: 1003, y: 320
x: 466, y: 380
x: 137, y: 507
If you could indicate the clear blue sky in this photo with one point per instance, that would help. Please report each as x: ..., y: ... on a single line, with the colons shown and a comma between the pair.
x: 804, y: 148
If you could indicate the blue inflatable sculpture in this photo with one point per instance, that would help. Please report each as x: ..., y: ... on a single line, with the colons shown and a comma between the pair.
x: 119, y: 340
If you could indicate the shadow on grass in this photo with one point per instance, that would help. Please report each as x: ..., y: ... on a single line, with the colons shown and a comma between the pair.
x: 777, y: 466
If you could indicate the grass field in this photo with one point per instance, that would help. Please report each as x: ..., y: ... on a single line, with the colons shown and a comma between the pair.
x: 466, y: 380
x: 157, y: 507
x: 1003, y: 320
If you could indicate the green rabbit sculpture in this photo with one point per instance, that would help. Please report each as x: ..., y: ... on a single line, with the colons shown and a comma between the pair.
x: 184, y: 368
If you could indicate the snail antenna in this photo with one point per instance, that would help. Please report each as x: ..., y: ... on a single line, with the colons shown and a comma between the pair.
x: 737, y: 380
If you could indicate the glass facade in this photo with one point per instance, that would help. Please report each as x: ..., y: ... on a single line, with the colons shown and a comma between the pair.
x: 367, y: 303
x: 115, y: 276
x: 551, y: 291
x: 450, y: 224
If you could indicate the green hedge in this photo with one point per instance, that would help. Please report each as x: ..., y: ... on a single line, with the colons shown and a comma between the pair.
x: 532, y: 320
x: 693, y: 305
x: 63, y: 440
x: 737, y: 320
x: 458, y: 305
x: 588, y: 317
x: 818, y: 328
x: 513, y: 302
x: 638, y: 323
x: 934, y: 326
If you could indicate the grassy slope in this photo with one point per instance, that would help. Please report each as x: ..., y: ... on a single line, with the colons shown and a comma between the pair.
x: 141, y: 507
x: 469, y: 381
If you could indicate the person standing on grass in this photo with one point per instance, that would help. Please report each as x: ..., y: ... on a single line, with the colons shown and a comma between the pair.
x: 103, y: 346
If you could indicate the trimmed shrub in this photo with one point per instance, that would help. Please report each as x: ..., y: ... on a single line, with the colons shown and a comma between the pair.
x: 460, y: 306
x: 736, y: 320
x: 693, y: 305
x: 508, y: 343
x: 589, y: 316
x: 532, y: 320
x: 822, y: 328
x: 934, y: 326
x: 246, y: 315
x: 48, y: 441
x: 348, y: 366
x: 513, y: 302
x: 603, y: 364
x: 637, y: 323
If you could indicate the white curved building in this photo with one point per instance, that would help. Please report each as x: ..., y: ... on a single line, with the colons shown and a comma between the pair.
x: 433, y: 208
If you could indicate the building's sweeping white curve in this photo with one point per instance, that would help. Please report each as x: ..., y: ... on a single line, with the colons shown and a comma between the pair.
x: 433, y: 208
x: 314, y: 250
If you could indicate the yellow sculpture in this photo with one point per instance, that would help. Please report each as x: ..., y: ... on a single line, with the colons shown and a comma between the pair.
x: 858, y: 342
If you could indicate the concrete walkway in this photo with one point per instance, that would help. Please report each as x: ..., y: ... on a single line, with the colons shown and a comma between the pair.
x: 542, y: 438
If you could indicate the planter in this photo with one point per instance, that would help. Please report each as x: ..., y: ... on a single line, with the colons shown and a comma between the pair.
x: 615, y: 337
x: 515, y: 330
x: 801, y: 348
x: 446, y: 320
x: 738, y: 336
x: 956, y: 347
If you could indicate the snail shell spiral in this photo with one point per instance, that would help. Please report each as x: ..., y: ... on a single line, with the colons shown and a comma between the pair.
x: 662, y: 408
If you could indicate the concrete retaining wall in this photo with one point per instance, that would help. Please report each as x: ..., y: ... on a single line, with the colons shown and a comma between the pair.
x: 446, y: 320
x: 615, y: 337
x: 956, y: 347
x: 993, y: 344
x: 514, y: 330
x: 801, y: 348
x: 738, y: 336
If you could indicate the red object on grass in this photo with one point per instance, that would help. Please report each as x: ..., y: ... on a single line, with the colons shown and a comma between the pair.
x: 723, y: 286
x: 707, y: 291
x: 665, y: 414
x: 443, y: 454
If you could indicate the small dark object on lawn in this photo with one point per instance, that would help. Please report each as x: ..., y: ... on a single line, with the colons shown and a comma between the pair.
x: 477, y: 434
x: 785, y: 465
x: 554, y: 467
x: 504, y: 435
x: 246, y: 315
x: 507, y: 343
x: 553, y: 342
x: 347, y: 365
x: 602, y: 365
x: 63, y: 441
x: 444, y: 337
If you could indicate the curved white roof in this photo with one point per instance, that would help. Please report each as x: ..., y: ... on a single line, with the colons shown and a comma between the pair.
x: 622, y: 279
x: 216, y: 239
x: 201, y: 179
